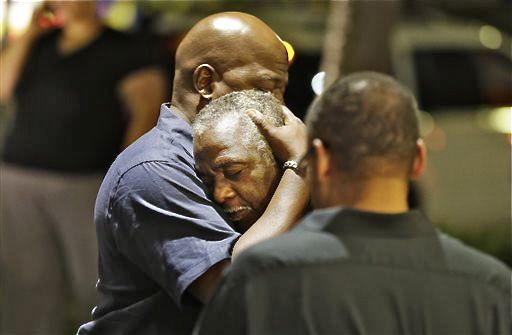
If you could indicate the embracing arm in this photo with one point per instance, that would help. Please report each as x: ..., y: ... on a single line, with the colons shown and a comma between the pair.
x: 285, y: 208
x: 283, y: 211
x: 192, y: 252
x: 291, y: 197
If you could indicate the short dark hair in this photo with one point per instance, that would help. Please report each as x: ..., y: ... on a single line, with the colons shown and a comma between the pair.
x: 364, y: 118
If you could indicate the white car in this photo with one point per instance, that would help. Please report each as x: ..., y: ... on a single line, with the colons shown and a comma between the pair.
x: 461, y: 73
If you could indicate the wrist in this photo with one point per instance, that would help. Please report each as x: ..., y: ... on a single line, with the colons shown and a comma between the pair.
x: 291, y: 164
x: 294, y: 166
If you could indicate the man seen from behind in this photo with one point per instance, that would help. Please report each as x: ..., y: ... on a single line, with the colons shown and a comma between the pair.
x: 362, y: 262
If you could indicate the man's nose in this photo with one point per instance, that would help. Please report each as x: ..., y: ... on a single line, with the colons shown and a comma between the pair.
x: 222, y: 192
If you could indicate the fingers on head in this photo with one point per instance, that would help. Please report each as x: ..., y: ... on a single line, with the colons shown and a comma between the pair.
x: 256, y: 117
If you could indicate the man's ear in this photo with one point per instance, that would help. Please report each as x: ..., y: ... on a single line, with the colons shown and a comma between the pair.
x: 420, y: 160
x: 204, y: 76
x: 323, y: 159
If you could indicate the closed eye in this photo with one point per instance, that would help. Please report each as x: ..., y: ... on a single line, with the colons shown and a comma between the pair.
x: 233, y: 174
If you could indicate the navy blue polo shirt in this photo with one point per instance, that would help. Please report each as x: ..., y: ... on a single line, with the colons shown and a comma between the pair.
x: 157, y: 232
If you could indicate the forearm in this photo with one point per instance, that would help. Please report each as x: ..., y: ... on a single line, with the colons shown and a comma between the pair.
x: 284, y: 210
x: 142, y: 93
x: 138, y: 126
x: 13, y: 59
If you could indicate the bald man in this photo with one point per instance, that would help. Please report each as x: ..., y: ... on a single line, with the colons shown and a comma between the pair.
x: 162, y: 242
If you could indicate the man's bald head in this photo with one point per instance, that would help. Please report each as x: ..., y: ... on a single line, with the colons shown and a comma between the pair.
x: 220, y: 39
x: 227, y: 52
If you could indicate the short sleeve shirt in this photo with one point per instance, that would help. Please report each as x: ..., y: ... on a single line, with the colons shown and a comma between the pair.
x: 157, y: 232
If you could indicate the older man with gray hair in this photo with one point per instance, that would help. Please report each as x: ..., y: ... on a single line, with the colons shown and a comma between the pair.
x: 233, y: 158
x: 163, y: 243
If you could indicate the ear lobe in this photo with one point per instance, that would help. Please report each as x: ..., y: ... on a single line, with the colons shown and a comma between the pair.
x: 203, y: 78
x: 420, y: 161
x: 322, y: 159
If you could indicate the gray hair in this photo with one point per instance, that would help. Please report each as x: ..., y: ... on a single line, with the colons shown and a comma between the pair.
x: 232, y: 107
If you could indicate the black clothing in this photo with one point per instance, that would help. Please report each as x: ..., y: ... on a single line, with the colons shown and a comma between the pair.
x: 352, y: 272
x: 157, y: 233
x: 68, y: 114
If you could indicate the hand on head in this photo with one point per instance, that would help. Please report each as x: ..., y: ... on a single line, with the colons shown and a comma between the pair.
x: 288, y: 142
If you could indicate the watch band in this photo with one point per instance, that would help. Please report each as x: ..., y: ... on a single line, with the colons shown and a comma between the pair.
x: 293, y: 165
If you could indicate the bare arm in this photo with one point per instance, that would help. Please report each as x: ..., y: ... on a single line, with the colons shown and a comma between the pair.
x: 291, y: 197
x: 285, y: 208
x: 14, y: 57
x: 204, y: 287
x: 283, y: 211
x: 142, y: 93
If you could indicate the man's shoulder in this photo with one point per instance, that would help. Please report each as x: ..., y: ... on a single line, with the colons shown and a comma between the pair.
x: 471, y: 262
x: 154, y: 146
x: 292, y: 249
x: 150, y: 165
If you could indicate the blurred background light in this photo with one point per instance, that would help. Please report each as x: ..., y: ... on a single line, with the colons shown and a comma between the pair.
x: 121, y: 15
x: 436, y: 140
x: 490, y: 37
x: 19, y: 15
x: 497, y: 120
x: 500, y: 120
x: 317, y: 83
x: 427, y: 123
x: 3, y: 9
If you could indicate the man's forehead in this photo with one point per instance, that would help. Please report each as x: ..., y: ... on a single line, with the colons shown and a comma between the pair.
x: 219, y: 131
x: 224, y: 136
x: 228, y: 124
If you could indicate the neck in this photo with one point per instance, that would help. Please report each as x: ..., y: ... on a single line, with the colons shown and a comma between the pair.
x: 381, y: 195
x: 188, y: 104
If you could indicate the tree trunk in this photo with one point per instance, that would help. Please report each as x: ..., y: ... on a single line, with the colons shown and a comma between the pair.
x: 357, y: 37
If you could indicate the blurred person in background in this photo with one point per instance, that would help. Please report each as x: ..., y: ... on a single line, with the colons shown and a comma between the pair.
x: 362, y: 262
x: 163, y: 243
x: 82, y: 92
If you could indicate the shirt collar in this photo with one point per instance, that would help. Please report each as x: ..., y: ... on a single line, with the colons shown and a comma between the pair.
x: 172, y: 124
x: 340, y: 221
x: 169, y: 119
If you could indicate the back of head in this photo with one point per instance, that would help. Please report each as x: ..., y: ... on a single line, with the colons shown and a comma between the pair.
x: 369, y: 122
x: 230, y: 110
